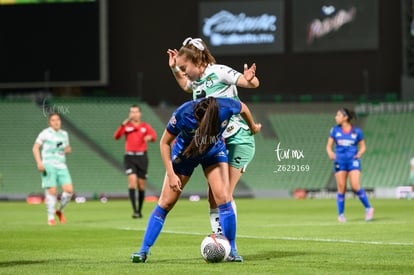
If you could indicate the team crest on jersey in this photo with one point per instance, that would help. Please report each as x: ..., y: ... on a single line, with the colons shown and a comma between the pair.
x: 224, y: 123
x: 129, y: 129
x: 143, y: 130
x: 173, y: 121
x: 354, y: 135
x: 209, y: 82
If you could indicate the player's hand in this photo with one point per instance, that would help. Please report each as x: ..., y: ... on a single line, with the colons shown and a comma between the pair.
x: 249, y: 73
x: 41, y: 167
x: 126, y: 121
x: 332, y: 156
x: 175, y: 183
x: 256, y: 128
x: 172, y: 54
x: 68, y: 149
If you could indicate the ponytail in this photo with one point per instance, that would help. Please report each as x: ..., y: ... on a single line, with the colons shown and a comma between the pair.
x: 206, y: 112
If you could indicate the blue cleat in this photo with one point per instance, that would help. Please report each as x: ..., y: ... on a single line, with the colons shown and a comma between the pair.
x: 234, y: 257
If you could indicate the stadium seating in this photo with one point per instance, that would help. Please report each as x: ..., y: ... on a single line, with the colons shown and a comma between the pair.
x: 300, y: 133
x: 390, y: 146
x: 301, y: 161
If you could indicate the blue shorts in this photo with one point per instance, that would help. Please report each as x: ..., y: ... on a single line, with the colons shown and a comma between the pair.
x: 185, y: 166
x: 354, y: 164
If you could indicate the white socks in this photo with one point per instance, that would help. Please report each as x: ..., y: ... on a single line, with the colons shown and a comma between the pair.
x: 215, y: 220
x: 64, y: 200
x: 50, y: 205
x: 51, y: 201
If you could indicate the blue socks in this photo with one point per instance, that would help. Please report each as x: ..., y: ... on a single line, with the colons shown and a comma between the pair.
x: 228, y: 223
x: 363, y: 198
x: 154, y: 227
x: 156, y: 222
x: 340, y: 202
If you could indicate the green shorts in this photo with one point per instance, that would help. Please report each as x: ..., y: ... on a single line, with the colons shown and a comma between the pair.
x: 240, y: 149
x: 53, y: 177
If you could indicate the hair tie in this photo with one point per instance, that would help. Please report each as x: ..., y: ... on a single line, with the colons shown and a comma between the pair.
x: 196, y: 42
x: 345, y: 112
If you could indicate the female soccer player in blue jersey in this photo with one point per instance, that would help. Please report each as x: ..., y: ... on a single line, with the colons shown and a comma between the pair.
x: 196, y: 128
x: 349, y: 147
x: 196, y: 72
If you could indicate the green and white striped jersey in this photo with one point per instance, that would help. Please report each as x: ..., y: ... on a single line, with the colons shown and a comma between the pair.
x: 53, y: 147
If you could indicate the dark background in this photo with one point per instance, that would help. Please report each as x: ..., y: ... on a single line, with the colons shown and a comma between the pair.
x: 139, y: 34
x: 138, y: 41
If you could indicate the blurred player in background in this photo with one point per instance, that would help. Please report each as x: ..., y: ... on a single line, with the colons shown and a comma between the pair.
x: 192, y: 137
x: 196, y: 72
x: 51, y: 162
x: 349, y: 147
x: 137, y: 134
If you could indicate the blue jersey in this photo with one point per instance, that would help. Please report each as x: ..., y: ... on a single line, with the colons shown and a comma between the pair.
x: 183, y: 123
x: 346, y: 143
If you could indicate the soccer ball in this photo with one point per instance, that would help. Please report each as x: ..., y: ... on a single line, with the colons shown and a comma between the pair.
x: 215, y: 248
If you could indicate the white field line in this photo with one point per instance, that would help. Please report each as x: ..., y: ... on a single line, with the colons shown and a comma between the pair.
x: 286, y: 238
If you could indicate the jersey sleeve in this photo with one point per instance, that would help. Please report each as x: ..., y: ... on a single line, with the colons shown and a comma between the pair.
x: 360, y: 135
x: 151, y: 132
x: 67, y: 138
x: 332, y: 133
x: 174, y: 124
x: 229, y: 106
x: 41, y: 138
x: 227, y: 74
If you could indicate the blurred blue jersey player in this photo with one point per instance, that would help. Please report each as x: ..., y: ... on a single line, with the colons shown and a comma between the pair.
x: 193, y: 136
x: 349, y: 147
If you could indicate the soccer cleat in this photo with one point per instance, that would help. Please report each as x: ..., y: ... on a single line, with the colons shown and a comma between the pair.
x: 369, y: 214
x: 60, y: 216
x: 341, y: 218
x: 137, y: 215
x: 51, y: 222
x: 139, y: 257
x: 234, y: 257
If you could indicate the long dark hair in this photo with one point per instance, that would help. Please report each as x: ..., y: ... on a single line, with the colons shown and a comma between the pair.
x: 350, y: 114
x: 206, y: 112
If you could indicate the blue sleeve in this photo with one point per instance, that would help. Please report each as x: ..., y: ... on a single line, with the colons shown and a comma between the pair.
x: 360, y: 135
x: 174, y: 125
x: 332, y: 133
x: 229, y: 106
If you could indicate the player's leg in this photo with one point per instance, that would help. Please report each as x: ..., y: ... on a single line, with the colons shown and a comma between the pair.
x: 141, y: 195
x: 166, y: 202
x: 234, y: 177
x: 51, y: 200
x: 132, y: 187
x: 217, y: 176
x: 240, y: 155
x: 49, y: 184
x: 354, y: 178
x: 340, y: 177
x: 142, y: 167
x: 65, y: 182
x: 131, y: 172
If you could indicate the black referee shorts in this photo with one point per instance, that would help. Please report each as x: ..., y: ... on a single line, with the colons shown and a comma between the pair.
x: 136, y: 165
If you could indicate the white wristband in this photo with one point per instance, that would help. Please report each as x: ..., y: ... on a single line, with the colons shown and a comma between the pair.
x: 175, y: 69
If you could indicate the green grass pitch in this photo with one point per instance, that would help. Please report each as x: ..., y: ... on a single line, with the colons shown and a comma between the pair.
x: 275, y: 236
